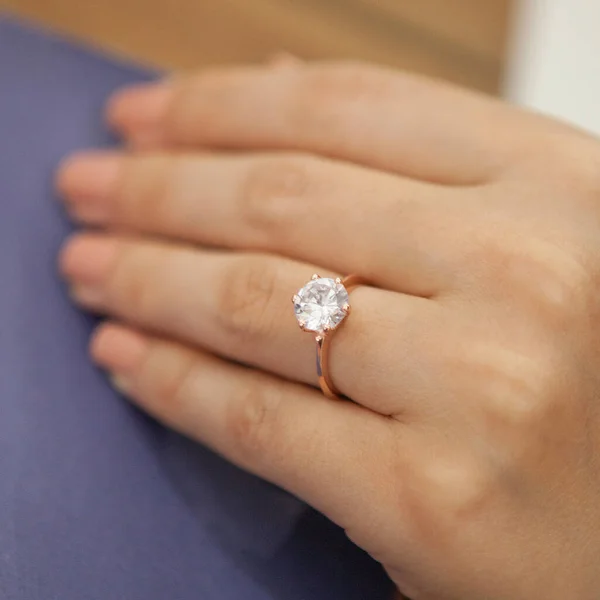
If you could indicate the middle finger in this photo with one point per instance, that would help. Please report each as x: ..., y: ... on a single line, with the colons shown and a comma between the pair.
x: 238, y: 306
x: 341, y: 216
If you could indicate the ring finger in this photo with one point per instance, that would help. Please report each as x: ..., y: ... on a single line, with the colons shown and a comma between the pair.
x: 238, y: 306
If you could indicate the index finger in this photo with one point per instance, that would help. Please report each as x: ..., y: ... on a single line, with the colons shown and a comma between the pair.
x: 365, y: 114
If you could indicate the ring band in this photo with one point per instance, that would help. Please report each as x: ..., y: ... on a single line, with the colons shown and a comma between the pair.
x: 320, y: 307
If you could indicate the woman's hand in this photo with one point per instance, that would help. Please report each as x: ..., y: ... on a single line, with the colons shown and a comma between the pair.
x: 469, y: 461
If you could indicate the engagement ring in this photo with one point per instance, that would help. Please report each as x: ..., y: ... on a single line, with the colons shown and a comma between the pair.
x: 320, y: 307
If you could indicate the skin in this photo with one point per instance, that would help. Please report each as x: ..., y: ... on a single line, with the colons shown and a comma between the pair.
x: 468, y: 462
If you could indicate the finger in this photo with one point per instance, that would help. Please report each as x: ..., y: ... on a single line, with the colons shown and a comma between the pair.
x: 365, y: 114
x: 343, y: 217
x: 327, y: 453
x: 239, y: 306
x: 285, y: 60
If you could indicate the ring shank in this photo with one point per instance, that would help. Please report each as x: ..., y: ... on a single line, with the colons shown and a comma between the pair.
x: 323, y: 345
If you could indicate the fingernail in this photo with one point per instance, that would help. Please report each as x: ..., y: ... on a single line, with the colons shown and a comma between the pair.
x: 87, y: 296
x: 121, y: 383
x: 87, y: 181
x: 86, y: 261
x: 120, y: 351
x: 138, y: 112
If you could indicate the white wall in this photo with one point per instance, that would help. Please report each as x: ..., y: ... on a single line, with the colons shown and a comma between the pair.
x: 554, y: 61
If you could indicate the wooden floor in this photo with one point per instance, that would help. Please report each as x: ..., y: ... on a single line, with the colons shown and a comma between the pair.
x: 460, y: 40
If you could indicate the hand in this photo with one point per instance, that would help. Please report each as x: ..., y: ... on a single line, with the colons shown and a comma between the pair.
x: 469, y: 461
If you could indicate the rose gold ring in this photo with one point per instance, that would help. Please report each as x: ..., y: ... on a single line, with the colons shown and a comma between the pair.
x: 320, y: 307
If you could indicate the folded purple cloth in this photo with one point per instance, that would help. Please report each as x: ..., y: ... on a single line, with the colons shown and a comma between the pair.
x: 97, y: 501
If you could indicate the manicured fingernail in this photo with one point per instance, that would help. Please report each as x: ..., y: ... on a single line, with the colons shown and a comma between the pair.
x: 138, y: 112
x: 87, y: 182
x: 119, y: 350
x: 86, y: 261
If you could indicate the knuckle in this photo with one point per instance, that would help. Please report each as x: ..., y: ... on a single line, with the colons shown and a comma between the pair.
x: 347, y: 79
x: 533, y: 402
x: 556, y: 280
x: 324, y: 91
x: 455, y: 489
x: 522, y: 392
x: 129, y: 291
x: 172, y: 383
x: 252, y: 422
x: 485, y: 252
x: 537, y: 417
x: 566, y: 289
x: 275, y: 191
x: 574, y: 164
x: 246, y: 299
x: 143, y: 188
x: 469, y: 491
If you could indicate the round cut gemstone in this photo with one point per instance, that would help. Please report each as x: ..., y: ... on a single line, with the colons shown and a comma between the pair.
x: 321, y: 304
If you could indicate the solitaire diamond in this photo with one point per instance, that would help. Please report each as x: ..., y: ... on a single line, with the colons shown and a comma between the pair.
x: 321, y: 304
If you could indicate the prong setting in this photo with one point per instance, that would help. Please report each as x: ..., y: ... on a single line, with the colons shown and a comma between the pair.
x: 321, y: 305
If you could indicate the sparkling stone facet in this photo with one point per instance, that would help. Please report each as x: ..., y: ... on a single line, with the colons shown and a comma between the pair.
x: 319, y: 305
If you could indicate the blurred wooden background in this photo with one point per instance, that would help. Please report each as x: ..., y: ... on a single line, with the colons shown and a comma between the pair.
x: 460, y: 40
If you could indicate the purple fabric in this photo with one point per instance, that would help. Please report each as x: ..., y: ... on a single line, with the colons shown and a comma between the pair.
x: 96, y: 500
